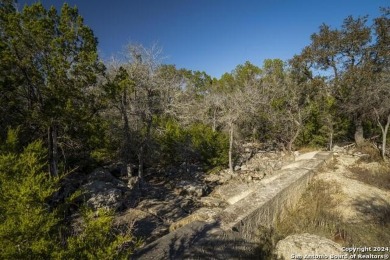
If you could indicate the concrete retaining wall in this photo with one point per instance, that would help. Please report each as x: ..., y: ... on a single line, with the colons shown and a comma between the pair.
x: 232, y: 234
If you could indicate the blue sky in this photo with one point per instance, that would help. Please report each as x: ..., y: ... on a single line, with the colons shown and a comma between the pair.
x: 214, y: 35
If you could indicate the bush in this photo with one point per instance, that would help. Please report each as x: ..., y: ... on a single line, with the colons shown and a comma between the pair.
x: 27, y: 224
x: 212, y: 146
x: 30, y: 227
x: 96, y: 240
x: 197, y: 143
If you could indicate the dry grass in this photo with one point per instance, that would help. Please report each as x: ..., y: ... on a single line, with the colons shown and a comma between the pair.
x: 315, y: 214
x: 306, y: 149
x: 379, y: 177
x: 371, y: 153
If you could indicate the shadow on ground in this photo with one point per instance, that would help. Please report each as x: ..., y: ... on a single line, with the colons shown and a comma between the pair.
x: 200, y: 240
x: 377, y: 209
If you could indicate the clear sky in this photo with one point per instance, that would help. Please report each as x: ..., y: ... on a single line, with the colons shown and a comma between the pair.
x: 214, y: 35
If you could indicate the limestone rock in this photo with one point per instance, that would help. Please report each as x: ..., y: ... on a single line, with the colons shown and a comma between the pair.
x: 212, y: 178
x: 338, y: 149
x: 133, y: 182
x: 307, y: 244
x: 101, y: 174
x: 103, y: 195
x: 103, y: 190
x: 220, y: 178
x: 202, y: 214
x: 191, y: 188
x: 141, y: 223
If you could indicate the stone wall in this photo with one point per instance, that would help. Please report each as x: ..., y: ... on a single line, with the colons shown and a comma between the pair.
x: 232, y: 232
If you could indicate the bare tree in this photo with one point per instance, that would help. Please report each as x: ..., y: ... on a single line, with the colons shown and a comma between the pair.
x: 382, y: 108
x: 289, y: 109
x: 142, y: 90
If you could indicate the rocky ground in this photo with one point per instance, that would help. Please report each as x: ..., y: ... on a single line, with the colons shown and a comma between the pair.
x: 358, y: 200
x: 168, y: 200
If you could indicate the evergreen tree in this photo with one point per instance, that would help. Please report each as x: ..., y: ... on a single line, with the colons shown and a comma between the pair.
x: 52, y: 65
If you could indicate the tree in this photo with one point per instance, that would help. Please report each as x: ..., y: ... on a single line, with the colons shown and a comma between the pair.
x: 346, y: 54
x: 381, y: 93
x: 290, y: 107
x: 118, y: 91
x: 142, y: 90
x: 52, y: 64
x: 236, y: 108
x: 382, y: 108
x: 197, y: 82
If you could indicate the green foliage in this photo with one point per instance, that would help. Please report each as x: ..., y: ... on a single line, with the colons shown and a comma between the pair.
x: 49, y: 69
x: 243, y: 75
x: 196, y: 143
x: 11, y: 141
x: 97, y: 239
x: 27, y: 224
x: 173, y: 142
x: 213, y: 146
x: 246, y: 74
x: 196, y: 82
x: 273, y: 70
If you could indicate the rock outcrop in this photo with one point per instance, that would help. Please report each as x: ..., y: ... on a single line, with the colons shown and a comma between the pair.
x: 103, y: 190
x: 227, y: 224
x: 295, y: 246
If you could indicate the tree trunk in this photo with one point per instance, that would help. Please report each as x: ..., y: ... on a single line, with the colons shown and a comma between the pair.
x: 141, y: 162
x: 214, y: 120
x: 292, y: 140
x: 126, y: 129
x: 359, y: 137
x: 142, y: 150
x: 384, y: 135
x: 231, y: 169
x: 331, y: 141
x: 53, y: 151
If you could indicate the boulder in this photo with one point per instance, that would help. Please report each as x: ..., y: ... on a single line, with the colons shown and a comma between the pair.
x: 338, y: 149
x: 295, y: 246
x: 100, y: 194
x: 191, y: 188
x: 142, y: 224
x: 212, y: 178
x: 103, y: 190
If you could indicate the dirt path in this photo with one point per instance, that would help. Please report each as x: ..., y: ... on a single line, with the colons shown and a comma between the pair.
x: 358, y: 201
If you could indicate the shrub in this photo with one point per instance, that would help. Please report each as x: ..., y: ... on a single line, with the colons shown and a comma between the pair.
x: 27, y: 224
x: 30, y: 227
x: 196, y: 143
x: 96, y: 240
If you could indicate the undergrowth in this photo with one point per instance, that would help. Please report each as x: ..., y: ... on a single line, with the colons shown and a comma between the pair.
x: 371, y: 153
